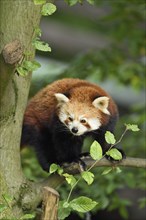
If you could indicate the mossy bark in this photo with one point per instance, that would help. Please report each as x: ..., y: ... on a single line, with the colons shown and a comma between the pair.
x: 18, y: 19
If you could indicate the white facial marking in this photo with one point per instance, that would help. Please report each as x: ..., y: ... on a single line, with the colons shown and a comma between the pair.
x: 94, y: 123
x: 90, y: 124
x: 62, y: 116
x: 76, y: 124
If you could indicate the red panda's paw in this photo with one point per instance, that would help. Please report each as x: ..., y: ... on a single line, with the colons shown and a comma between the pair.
x: 82, y: 165
x: 85, y: 155
x: 79, y: 162
x: 116, y: 161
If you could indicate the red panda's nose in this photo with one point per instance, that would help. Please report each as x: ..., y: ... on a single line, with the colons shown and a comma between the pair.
x: 74, y: 130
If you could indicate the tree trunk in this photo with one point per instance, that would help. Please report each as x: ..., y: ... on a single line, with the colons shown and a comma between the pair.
x: 18, y: 19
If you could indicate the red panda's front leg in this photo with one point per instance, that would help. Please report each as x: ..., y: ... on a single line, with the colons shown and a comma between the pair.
x: 66, y: 146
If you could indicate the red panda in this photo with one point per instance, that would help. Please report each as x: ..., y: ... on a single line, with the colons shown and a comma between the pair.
x: 60, y: 116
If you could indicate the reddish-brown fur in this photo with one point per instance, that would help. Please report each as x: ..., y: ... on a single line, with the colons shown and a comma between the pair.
x: 43, y: 129
x: 43, y: 104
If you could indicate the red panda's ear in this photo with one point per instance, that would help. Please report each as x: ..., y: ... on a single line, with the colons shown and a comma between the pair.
x: 102, y: 104
x: 61, y: 98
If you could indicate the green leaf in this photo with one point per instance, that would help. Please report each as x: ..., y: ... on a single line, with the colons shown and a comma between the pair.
x: 106, y: 171
x: 118, y: 170
x: 38, y: 32
x: 22, y: 71
x: 83, y: 204
x: 42, y: 46
x: 70, y: 179
x: 92, y: 2
x: 123, y: 212
x: 96, y: 151
x: 48, y: 9
x: 115, y: 154
x: 132, y: 127
x: 8, y: 198
x: 62, y: 211
x: 60, y: 170
x: 39, y: 2
x: 65, y: 205
x: 28, y: 54
x: 88, y: 177
x: 27, y: 216
x: 71, y: 2
x: 109, y: 137
x: 142, y: 203
x: 31, y: 65
x: 27, y: 66
x: 3, y: 207
x: 53, y: 168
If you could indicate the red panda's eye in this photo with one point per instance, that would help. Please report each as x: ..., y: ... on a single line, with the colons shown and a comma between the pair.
x: 83, y: 121
x: 70, y: 118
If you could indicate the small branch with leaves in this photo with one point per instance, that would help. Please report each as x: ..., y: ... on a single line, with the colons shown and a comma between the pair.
x: 85, y: 204
x: 59, y: 174
x: 28, y: 65
x: 73, y: 168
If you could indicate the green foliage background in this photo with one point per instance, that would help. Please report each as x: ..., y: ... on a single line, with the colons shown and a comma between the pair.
x: 123, y: 62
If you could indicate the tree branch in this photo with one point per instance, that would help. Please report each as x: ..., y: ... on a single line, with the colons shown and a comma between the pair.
x: 74, y: 168
x: 33, y: 197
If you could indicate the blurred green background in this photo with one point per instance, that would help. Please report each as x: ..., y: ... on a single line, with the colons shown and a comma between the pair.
x: 105, y: 44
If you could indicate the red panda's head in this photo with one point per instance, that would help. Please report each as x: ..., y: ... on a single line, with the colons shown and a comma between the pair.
x: 82, y: 117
